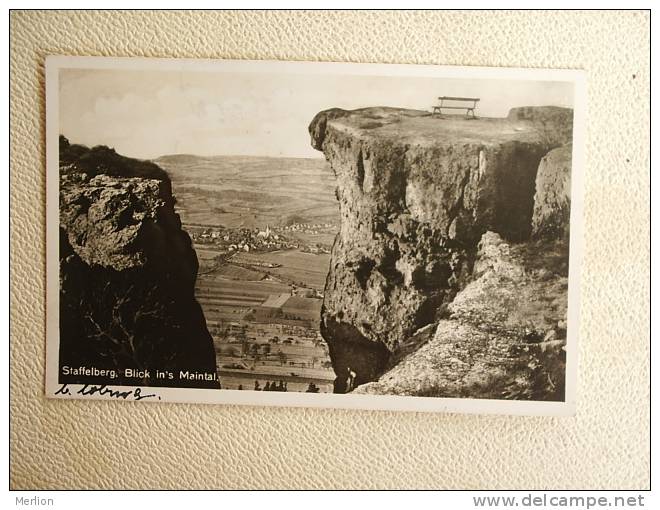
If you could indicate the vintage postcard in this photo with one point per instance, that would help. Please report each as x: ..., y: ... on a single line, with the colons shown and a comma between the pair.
x: 393, y: 237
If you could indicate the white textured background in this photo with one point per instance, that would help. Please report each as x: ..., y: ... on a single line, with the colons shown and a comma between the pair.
x: 90, y: 444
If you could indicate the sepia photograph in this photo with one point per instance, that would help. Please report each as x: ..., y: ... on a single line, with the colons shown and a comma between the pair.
x: 364, y: 236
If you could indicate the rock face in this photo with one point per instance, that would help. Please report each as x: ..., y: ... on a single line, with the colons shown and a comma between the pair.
x: 552, y: 202
x: 415, y: 193
x: 127, y: 273
x: 504, y: 336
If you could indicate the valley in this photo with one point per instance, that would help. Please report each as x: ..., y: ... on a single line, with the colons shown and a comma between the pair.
x: 262, y: 229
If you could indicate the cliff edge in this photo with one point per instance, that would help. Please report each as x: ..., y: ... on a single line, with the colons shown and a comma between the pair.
x: 416, y: 194
x: 127, y: 275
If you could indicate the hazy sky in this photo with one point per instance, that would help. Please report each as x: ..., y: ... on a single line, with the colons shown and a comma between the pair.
x: 146, y: 114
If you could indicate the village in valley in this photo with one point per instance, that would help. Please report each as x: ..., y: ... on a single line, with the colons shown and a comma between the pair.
x: 258, y: 240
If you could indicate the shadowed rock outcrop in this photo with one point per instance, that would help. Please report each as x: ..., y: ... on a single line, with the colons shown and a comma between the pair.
x: 416, y: 193
x: 552, y: 202
x: 127, y: 275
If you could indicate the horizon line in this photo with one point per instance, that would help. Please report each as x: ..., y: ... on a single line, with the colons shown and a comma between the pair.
x: 191, y: 153
x: 234, y: 156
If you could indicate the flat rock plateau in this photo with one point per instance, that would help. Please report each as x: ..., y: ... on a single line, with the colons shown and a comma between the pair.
x: 448, y: 276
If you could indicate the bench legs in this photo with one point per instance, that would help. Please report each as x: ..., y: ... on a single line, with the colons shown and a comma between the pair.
x: 469, y: 112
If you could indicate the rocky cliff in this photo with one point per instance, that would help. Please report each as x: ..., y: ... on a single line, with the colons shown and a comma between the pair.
x: 552, y: 201
x: 416, y: 193
x: 127, y: 274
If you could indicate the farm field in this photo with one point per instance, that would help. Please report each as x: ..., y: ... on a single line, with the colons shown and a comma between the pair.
x: 296, y: 352
x: 244, y: 191
x: 304, y: 269
x: 226, y: 298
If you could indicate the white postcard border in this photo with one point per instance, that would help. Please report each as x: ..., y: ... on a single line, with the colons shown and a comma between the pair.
x: 296, y: 399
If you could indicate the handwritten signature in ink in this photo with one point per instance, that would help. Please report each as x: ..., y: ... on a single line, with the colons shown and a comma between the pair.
x: 87, y: 390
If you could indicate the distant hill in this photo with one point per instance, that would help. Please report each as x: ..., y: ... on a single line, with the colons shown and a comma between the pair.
x: 178, y: 159
x: 247, y: 191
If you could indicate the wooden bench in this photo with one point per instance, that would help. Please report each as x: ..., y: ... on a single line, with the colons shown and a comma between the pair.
x: 469, y: 109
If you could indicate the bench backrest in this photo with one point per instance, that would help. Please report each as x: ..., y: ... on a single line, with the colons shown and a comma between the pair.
x: 473, y: 100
